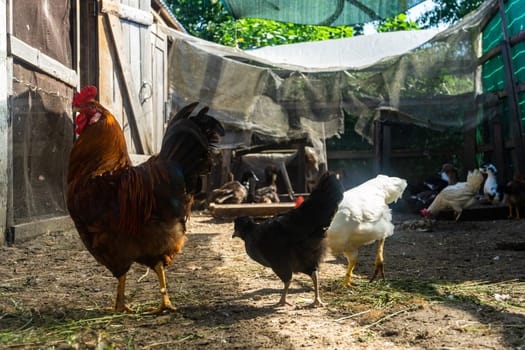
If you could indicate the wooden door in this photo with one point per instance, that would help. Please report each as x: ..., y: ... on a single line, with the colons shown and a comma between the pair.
x: 125, y: 70
x: 159, y: 72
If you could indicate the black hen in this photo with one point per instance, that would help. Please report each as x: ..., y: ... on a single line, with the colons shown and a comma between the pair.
x: 294, y: 242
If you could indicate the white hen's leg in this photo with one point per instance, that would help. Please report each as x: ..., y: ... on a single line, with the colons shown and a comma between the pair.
x: 315, y: 279
x: 351, y: 257
x: 379, y: 263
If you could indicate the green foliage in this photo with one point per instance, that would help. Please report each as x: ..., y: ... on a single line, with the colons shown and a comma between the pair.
x: 250, y: 33
x: 395, y: 24
x: 200, y: 17
x: 207, y: 19
x: 447, y: 12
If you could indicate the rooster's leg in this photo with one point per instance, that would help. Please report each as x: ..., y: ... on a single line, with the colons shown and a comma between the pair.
x: 511, y: 212
x: 165, y: 303
x: 120, y: 305
x: 282, y: 301
x: 351, y: 257
x: 379, y: 266
x: 315, y: 279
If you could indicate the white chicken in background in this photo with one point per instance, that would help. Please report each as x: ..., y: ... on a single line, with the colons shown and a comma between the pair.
x: 491, y: 191
x: 456, y: 197
x: 363, y: 217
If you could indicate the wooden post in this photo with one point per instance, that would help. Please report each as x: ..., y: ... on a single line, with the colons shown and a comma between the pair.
x: 469, y: 141
x: 497, y: 148
x: 378, y: 145
x: 301, y: 168
x: 512, y: 95
x: 386, y: 148
x: 4, y: 80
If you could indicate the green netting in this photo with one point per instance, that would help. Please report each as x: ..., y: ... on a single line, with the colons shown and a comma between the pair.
x: 493, y: 77
x: 492, y: 34
x: 316, y: 12
x: 515, y: 16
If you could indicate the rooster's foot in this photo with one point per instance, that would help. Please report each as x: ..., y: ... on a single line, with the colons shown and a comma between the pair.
x: 161, y: 308
x: 122, y: 308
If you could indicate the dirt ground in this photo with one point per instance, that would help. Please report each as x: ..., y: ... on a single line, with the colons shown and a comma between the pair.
x: 454, y: 287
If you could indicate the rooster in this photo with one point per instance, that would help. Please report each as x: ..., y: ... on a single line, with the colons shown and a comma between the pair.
x: 124, y: 213
x: 364, y: 217
x: 457, y: 197
x: 294, y: 242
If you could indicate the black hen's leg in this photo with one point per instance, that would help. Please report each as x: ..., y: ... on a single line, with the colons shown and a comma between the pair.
x: 282, y: 301
x: 315, y: 279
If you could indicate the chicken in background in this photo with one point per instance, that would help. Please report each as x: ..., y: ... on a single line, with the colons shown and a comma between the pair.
x: 363, y: 217
x: 311, y: 168
x: 421, y: 196
x: 456, y: 197
x: 294, y: 242
x: 267, y: 193
x: 231, y: 192
x: 514, y: 195
x: 124, y: 213
x: 491, y: 190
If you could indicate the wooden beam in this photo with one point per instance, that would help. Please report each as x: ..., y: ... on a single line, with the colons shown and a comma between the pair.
x: 26, y: 231
x: 37, y: 59
x: 249, y: 209
x: 496, y: 50
x: 4, y: 79
x: 126, y: 12
x: 512, y: 99
x: 137, y: 123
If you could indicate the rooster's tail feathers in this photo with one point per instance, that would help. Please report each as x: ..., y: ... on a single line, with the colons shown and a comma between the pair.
x: 188, y: 141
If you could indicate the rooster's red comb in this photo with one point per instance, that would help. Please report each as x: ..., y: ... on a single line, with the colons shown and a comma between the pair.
x: 86, y: 94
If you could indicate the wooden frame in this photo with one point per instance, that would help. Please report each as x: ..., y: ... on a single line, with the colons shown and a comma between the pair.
x: 4, y: 139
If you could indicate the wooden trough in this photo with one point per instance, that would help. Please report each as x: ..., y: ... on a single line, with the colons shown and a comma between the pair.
x: 249, y: 209
x: 480, y: 212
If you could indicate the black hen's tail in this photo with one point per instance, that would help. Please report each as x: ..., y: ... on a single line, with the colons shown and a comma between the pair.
x: 320, y: 207
x: 187, y: 143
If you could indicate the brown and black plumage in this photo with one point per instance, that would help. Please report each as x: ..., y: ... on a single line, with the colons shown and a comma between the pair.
x: 125, y: 213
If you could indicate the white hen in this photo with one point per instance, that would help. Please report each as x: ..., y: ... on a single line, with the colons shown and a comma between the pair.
x: 364, y: 217
x: 456, y: 197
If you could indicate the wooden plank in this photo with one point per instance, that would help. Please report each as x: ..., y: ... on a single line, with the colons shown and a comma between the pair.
x: 513, y: 101
x: 41, y: 61
x: 139, y: 127
x: 3, y: 122
x: 496, y: 50
x: 23, y: 232
x: 126, y: 12
x: 157, y: 100
x: 250, y: 209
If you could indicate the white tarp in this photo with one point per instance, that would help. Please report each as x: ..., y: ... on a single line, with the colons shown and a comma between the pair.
x: 293, y: 91
x: 354, y: 52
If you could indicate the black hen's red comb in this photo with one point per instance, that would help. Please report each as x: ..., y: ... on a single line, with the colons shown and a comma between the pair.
x: 86, y: 94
